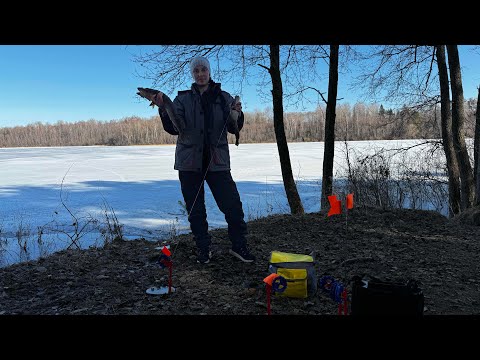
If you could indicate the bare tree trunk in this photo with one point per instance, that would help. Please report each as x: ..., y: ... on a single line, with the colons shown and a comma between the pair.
x: 294, y: 200
x: 458, y: 120
x: 329, y: 144
x: 476, y: 152
x: 446, y: 126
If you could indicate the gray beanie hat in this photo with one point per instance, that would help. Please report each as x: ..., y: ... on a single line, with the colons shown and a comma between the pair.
x: 199, y: 60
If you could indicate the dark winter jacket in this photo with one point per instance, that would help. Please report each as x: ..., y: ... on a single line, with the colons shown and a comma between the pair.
x: 202, y: 131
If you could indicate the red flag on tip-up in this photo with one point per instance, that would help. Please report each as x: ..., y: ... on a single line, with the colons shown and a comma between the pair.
x: 335, y: 205
x: 166, y: 251
x: 269, y: 279
x: 350, y: 201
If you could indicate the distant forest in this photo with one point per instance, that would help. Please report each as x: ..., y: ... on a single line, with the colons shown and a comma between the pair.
x: 360, y: 122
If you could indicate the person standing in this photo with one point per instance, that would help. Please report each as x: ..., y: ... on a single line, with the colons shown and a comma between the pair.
x: 202, y: 154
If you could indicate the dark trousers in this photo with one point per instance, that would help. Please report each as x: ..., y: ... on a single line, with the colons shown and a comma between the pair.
x: 226, y: 195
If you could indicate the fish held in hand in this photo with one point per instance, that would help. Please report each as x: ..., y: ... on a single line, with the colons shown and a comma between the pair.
x: 167, y: 105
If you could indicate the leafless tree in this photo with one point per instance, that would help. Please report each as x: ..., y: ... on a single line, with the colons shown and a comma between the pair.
x: 458, y: 119
x: 406, y: 72
x: 293, y: 197
x: 447, y: 138
x: 477, y: 151
x: 399, y: 74
x: 359, y: 121
x: 329, y: 148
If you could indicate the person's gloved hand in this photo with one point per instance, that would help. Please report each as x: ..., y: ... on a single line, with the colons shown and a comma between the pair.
x: 237, y: 104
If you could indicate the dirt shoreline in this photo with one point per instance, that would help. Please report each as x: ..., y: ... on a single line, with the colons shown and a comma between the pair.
x: 393, y: 245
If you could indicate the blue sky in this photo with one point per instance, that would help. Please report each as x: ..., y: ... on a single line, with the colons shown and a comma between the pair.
x: 48, y: 83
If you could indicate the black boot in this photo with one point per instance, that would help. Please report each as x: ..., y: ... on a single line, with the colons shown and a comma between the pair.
x: 203, y: 248
x: 240, y: 250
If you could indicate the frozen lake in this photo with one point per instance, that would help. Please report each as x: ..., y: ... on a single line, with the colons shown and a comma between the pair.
x: 43, y: 191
